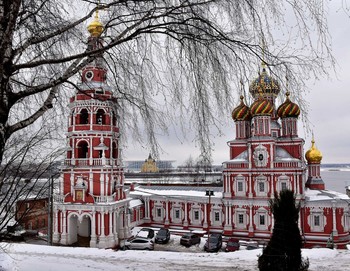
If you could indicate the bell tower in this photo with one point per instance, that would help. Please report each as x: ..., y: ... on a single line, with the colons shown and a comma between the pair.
x: 91, y: 196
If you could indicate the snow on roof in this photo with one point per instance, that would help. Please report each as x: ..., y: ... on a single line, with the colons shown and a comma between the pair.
x: 242, y: 157
x: 325, y: 195
x: 176, y: 191
x: 282, y: 154
x: 135, y: 202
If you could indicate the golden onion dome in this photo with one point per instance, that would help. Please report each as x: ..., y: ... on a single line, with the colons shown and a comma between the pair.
x: 241, y: 112
x: 288, y: 109
x: 313, y: 155
x: 95, y: 27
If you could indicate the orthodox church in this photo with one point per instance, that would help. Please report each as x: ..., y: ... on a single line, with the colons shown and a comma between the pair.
x: 265, y: 156
x: 150, y: 165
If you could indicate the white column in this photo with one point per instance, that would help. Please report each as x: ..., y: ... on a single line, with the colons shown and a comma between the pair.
x: 229, y: 184
x: 250, y: 182
x: 93, y: 239
x: 334, y: 209
x: 167, y: 212
x: 90, y: 151
x: 64, y: 228
x: 56, y: 234
x: 102, y: 184
x: 102, y: 215
x: 230, y: 214
x: 205, y: 224
x: 73, y: 150
x: 71, y: 181
x: 115, y: 224
x: 251, y: 228
x: 186, y: 216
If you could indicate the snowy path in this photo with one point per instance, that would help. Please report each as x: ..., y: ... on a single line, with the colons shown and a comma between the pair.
x: 25, y: 257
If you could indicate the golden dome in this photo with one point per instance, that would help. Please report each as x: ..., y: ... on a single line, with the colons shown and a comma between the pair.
x: 95, y: 27
x: 313, y: 155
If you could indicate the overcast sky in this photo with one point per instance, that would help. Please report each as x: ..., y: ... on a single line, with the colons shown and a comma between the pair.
x: 329, y: 114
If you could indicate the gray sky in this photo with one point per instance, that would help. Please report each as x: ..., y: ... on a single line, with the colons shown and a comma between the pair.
x: 329, y: 100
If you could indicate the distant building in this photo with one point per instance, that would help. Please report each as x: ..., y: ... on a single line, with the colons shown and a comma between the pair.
x: 32, y: 213
x: 149, y: 166
x: 136, y: 165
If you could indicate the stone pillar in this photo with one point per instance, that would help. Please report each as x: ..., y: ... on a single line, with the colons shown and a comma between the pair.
x: 205, y: 224
x: 93, y: 239
x: 185, y: 224
x: 167, y: 212
x: 64, y: 240
x: 334, y: 210
x: 111, y: 239
x: 56, y: 234
x: 251, y: 228
x: 102, y: 239
x: 250, y: 183
x: 228, y: 223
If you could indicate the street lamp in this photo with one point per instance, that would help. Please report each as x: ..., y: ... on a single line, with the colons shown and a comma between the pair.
x: 209, y: 193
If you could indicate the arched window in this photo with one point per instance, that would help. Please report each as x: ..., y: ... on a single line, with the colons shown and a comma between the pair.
x: 100, y: 117
x: 114, y: 119
x: 114, y: 151
x: 84, y: 117
x: 83, y: 149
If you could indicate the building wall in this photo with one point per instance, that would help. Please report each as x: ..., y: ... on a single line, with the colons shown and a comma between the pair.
x: 32, y: 214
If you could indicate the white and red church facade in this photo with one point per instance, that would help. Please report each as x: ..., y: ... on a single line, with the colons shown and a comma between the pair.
x: 91, y: 200
x: 265, y: 157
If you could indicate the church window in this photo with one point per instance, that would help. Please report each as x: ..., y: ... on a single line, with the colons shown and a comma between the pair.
x: 217, y: 216
x: 141, y: 214
x: 240, y: 186
x: 240, y: 218
x: 83, y: 149
x: 177, y: 214
x: 114, y: 151
x: 317, y: 221
x: 266, y: 127
x: 261, y: 187
x: 283, y: 186
x: 196, y: 215
x: 159, y: 212
x: 84, y: 117
x: 262, y: 220
x: 261, y: 125
x: 100, y: 117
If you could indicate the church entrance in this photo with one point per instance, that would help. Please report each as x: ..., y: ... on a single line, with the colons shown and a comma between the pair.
x: 79, y: 230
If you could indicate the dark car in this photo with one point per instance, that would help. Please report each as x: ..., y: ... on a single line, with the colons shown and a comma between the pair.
x: 213, y: 243
x: 162, y: 236
x: 232, y: 245
x: 189, y: 239
x: 146, y: 233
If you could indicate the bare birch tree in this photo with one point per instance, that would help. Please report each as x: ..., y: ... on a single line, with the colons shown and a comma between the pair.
x: 170, y: 61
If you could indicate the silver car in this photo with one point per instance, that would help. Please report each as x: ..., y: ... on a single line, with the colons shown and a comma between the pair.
x: 139, y: 243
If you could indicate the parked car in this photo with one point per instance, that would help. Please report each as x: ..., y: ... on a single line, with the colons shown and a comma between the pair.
x: 213, y: 243
x: 162, y: 236
x: 232, y: 245
x: 139, y: 243
x: 146, y: 233
x: 252, y: 245
x: 189, y: 239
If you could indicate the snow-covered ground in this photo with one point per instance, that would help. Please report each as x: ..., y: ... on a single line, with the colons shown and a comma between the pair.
x: 28, y: 257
